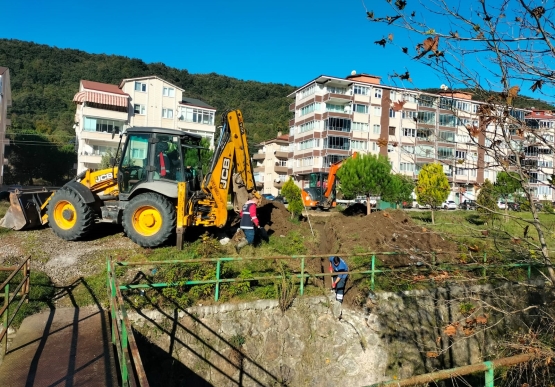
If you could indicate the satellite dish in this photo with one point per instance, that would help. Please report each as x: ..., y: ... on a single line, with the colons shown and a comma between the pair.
x: 444, y: 87
x: 277, y: 180
x: 353, y: 72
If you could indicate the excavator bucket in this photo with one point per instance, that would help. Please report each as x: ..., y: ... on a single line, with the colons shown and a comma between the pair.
x: 26, y: 209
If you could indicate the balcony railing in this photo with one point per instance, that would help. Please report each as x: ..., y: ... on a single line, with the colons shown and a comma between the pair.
x: 279, y: 168
x: 282, y: 154
x: 259, y: 156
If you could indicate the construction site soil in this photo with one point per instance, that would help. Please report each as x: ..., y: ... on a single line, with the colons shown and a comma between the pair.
x: 323, y: 233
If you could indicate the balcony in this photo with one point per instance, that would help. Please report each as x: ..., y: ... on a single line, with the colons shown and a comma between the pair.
x: 282, y: 154
x: 278, y: 184
x: 292, y: 107
x: 337, y: 98
x: 100, y: 136
x: 258, y: 169
x: 259, y: 156
x: 90, y: 159
x: 280, y: 169
x: 259, y: 184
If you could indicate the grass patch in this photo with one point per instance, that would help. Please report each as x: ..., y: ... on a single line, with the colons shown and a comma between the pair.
x: 41, y: 294
x: 4, y: 205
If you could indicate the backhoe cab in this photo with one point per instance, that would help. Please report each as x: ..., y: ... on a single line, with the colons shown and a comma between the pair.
x: 157, y: 190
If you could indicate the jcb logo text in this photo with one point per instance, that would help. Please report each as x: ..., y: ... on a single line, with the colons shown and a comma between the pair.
x: 225, y: 173
x: 106, y: 176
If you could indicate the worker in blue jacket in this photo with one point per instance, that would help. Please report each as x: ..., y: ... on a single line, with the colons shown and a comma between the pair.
x: 339, y: 282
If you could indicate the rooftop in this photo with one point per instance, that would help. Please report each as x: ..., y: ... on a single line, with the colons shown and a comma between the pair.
x: 105, y: 87
x: 195, y: 102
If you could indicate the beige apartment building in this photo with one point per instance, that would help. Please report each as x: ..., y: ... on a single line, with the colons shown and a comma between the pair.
x: 335, y: 117
x: 5, y: 102
x: 270, y: 164
x: 105, y: 110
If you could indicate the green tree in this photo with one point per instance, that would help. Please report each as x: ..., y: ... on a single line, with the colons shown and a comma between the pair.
x: 507, y: 184
x: 106, y: 160
x: 367, y: 175
x: 192, y: 158
x: 399, y: 190
x: 293, y: 195
x: 433, y: 187
x: 487, y: 200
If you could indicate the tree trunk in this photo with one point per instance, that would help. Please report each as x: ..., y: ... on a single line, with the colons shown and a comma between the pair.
x: 432, y: 210
x: 368, y: 206
x: 541, y: 238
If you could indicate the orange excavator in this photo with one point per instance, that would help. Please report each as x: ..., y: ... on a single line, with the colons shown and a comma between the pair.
x: 321, y: 192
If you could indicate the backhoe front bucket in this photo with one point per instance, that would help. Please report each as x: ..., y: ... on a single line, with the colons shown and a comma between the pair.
x: 25, y: 210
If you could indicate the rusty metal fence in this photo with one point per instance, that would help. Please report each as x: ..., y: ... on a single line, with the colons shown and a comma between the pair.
x: 20, y: 293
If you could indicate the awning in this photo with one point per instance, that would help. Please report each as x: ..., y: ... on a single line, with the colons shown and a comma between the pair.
x: 101, y: 98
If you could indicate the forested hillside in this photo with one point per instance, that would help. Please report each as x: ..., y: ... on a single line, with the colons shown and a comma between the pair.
x: 44, y: 80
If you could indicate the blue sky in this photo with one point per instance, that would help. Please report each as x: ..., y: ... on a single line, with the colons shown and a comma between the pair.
x: 290, y: 41
x: 281, y: 42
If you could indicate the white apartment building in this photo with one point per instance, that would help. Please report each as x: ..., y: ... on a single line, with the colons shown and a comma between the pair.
x: 270, y: 164
x: 334, y: 117
x: 5, y: 102
x: 104, y: 110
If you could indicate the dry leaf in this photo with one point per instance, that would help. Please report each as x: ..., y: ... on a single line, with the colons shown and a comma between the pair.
x: 482, y: 319
x: 424, y: 229
x: 390, y: 37
x: 468, y: 331
x: 438, y: 340
x: 432, y: 354
x: 450, y: 331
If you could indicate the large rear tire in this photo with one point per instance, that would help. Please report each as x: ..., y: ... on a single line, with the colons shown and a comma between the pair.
x: 149, y: 219
x: 69, y: 216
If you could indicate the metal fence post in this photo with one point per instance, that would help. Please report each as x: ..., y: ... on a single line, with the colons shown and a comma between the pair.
x: 372, y: 274
x: 485, y: 261
x: 301, y: 286
x: 489, y: 374
x: 217, y: 292
x: 5, y: 320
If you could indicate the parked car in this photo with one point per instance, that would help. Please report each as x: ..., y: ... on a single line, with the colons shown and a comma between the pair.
x: 449, y: 205
x: 362, y: 200
x: 268, y: 196
x: 407, y: 204
x: 415, y: 204
x: 514, y: 206
x: 468, y: 205
x: 501, y: 204
x: 280, y: 199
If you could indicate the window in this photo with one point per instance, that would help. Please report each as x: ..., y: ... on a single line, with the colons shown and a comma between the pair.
x: 446, y: 136
x: 307, y: 162
x: 98, y: 125
x: 409, y: 132
x: 427, y: 100
x: 309, y: 90
x: 359, y: 145
x: 140, y: 86
x: 378, y: 93
x: 102, y: 150
x: 392, y: 130
x: 445, y: 153
x: 446, y: 103
x: 335, y: 108
x: 139, y: 109
x: 360, y: 126
x: 309, y: 108
x: 462, y: 138
x: 376, y: 129
x: 168, y: 92
x: 374, y: 147
x: 409, y: 114
x: 362, y: 90
x: 308, y: 144
x: 460, y: 155
x: 408, y: 149
x: 332, y: 159
x: 393, y: 95
x: 306, y: 127
x: 410, y: 97
x: 391, y: 113
x: 336, y: 90
x: 200, y: 116
x: 428, y: 118
x: 332, y: 142
x: 358, y: 108
x: 377, y: 111
x: 338, y: 124
x: 448, y: 120
x: 406, y: 167
x: 424, y: 134
x: 167, y: 113
x: 425, y: 151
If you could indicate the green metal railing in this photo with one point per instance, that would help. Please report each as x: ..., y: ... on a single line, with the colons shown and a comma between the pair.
x: 302, y: 274
x: 9, y: 299
x: 487, y: 367
x: 130, y: 364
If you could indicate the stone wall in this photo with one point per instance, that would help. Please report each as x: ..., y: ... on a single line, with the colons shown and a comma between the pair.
x: 314, y: 343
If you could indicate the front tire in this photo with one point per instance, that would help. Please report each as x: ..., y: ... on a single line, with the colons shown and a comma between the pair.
x: 149, y: 219
x: 69, y: 216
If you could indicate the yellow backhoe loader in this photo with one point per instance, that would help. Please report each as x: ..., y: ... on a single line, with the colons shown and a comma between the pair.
x: 152, y: 192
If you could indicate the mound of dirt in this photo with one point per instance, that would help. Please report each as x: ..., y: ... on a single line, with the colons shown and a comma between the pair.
x: 383, y: 231
x: 355, y: 209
